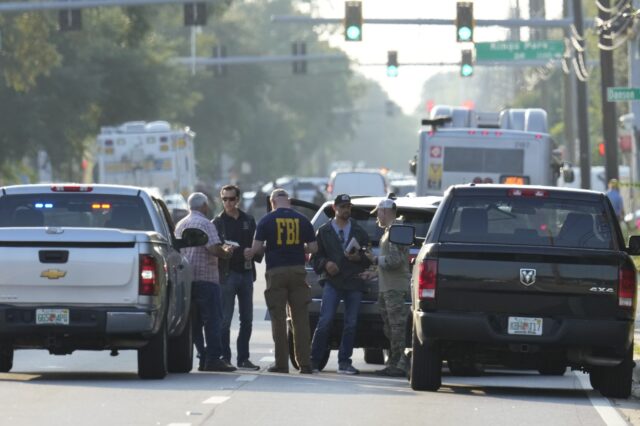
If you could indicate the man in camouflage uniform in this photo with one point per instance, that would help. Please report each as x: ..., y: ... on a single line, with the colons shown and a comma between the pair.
x: 394, y: 282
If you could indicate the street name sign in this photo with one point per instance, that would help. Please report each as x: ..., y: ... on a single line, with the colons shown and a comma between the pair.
x: 623, y: 94
x: 519, y: 50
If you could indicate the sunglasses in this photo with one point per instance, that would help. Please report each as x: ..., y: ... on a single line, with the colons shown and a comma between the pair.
x: 229, y: 198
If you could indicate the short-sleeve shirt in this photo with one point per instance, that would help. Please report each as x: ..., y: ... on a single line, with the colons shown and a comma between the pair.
x: 284, y: 231
x: 203, y: 262
x: 616, y: 201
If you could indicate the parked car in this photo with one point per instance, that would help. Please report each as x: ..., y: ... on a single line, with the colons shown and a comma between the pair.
x: 357, y: 182
x: 403, y: 187
x: 308, y: 189
x: 525, y: 277
x: 177, y: 206
x: 94, y: 267
x: 416, y: 211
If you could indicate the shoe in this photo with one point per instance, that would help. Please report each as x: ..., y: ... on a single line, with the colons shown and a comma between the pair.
x: 274, y: 369
x: 348, y: 369
x: 247, y: 365
x: 218, y: 365
x: 306, y: 370
x: 315, y: 368
x: 391, y: 372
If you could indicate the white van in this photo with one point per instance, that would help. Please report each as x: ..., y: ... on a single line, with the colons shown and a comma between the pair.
x: 357, y: 182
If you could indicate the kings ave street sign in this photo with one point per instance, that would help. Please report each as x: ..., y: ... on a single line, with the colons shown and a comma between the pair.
x: 519, y: 50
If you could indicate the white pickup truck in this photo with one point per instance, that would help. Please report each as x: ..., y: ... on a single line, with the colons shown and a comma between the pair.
x: 94, y: 267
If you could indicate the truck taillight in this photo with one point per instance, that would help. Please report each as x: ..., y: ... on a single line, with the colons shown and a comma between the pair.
x: 148, y: 276
x: 71, y: 188
x: 626, y: 287
x: 428, y: 279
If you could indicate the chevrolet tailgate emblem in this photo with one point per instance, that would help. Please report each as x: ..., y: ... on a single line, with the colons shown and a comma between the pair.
x: 53, y: 274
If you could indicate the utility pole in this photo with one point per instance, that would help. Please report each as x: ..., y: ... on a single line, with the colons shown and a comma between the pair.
x: 583, y: 117
x: 634, y: 107
x: 569, y: 107
x: 608, y: 108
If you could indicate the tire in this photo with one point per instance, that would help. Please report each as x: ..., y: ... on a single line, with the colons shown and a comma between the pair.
x: 426, y: 365
x: 464, y: 368
x: 615, y: 382
x: 6, y: 358
x: 595, y: 377
x: 373, y: 356
x: 292, y: 354
x: 552, y: 368
x: 181, y: 350
x: 153, y: 358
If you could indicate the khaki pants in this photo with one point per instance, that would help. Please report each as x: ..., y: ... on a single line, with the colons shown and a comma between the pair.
x: 286, y: 285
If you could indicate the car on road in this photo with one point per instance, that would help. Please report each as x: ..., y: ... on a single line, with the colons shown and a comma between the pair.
x: 94, y: 267
x: 416, y: 211
x: 357, y: 182
x: 525, y: 277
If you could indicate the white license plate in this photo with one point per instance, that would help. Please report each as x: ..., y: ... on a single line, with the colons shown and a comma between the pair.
x: 52, y: 316
x: 525, y: 326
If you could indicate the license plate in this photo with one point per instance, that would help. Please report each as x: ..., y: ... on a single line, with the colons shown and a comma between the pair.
x: 525, y: 326
x: 52, y: 316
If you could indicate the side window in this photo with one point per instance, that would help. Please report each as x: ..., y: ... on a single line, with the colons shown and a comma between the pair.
x: 165, y: 219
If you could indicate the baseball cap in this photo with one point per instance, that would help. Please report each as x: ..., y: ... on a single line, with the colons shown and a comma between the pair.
x: 342, y: 199
x: 384, y: 204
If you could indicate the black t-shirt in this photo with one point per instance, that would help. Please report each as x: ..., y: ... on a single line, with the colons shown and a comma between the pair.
x: 240, y: 230
x: 285, y: 231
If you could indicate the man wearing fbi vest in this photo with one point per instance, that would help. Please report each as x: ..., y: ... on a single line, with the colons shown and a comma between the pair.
x: 285, y: 236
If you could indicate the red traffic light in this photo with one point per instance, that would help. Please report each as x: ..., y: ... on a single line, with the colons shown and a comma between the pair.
x: 601, y: 149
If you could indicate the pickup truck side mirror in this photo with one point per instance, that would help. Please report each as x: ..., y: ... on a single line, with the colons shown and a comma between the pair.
x: 192, y: 237
x: 402, y: 234
x: 634, y: 245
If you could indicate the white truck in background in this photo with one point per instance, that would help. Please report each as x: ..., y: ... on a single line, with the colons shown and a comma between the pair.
x: 465, y: 146
x: 147, y: 154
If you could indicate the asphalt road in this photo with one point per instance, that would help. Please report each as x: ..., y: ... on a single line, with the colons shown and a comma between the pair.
x: 97, y: 389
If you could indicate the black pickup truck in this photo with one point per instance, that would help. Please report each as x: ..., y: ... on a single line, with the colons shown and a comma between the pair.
x: 525, y: 277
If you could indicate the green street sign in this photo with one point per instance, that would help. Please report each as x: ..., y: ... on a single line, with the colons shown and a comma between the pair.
x: 623, y: 94
x: 519, y: 50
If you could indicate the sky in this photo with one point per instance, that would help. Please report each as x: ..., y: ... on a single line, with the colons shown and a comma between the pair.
x: 416, y: 43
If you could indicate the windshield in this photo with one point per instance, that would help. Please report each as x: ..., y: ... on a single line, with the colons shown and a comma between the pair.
x: 528, y: 221
x: 74, y: 210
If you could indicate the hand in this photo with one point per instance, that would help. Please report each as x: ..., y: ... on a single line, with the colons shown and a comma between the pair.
x: 331, y: 268
x: 370, y: 256
x: 368, y: 275
x: 248, y: 254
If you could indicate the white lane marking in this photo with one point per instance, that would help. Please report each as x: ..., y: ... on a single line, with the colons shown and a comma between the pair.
x: 216, y: 400
x: 179, y: 424
x: 268, y: 359
x: 247, y: 378
x: 609, y: 414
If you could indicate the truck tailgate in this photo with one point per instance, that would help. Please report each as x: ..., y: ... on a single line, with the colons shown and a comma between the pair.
x: 70, y: 266
x: 527, y: 281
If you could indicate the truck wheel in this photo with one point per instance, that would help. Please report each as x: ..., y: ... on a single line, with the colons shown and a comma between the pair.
x: 426, y: 365
x: 292, y: 354
x: 615, y: 382
x: 373, y: 356
x: 6, y: 358
x: 181, y: 350
x: 153, y: 357
x: 595, y: 377
x: 463, y: 367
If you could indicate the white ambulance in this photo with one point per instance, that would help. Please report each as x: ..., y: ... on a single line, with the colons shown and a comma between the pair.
x: 147, y: 154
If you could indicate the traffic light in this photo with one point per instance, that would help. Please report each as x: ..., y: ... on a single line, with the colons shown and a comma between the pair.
x: 466, y: 65
x: 299, y: 48
x: 464, y: 21
x: 392, y: 63
x: 601, y: 149
x: 70, y: 20
x: 219, y: 70
x: 353, y: 21
x: 195, y: 14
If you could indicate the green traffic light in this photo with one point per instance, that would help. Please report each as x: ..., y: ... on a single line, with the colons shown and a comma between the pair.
x: 353, y: 33
x: 466, y: 70
x: 464, y: 34
x: 392, y: 71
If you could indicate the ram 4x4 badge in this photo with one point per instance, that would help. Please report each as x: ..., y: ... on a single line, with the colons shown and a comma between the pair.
x: 527, y: 276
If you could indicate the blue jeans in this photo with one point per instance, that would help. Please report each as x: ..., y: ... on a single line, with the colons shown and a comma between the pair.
x: 208, y: 302
x: 238, y: 284
x: 330, y: 299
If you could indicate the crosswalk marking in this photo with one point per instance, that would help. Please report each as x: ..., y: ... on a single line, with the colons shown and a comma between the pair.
x: 216, y: 400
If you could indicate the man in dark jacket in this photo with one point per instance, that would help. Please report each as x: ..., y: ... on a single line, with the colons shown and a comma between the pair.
x: 237, y: 274
x: 339, y: 263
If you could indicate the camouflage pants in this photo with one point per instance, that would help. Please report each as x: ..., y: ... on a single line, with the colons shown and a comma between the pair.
x: 394, y: 314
